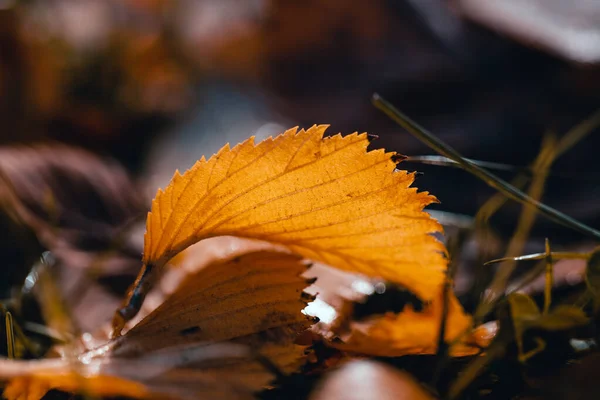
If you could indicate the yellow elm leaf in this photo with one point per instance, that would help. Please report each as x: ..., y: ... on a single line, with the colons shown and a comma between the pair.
x: 327, y: 199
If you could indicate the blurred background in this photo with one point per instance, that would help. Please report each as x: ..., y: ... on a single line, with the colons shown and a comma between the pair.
x: 153, y: 85
x: 101, y: 100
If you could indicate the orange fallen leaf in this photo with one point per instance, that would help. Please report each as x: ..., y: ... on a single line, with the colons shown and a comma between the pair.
x: 32, y: 379
x: 391, y: 334
x: 161, y: 374
x: 409, y: 332
x: 327, y: 199
x: 35, y: 387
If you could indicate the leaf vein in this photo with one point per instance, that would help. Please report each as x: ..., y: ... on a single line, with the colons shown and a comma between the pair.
x: 283, y: 196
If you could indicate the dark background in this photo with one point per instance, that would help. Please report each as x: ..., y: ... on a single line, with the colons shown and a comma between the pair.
x: 156, y: 84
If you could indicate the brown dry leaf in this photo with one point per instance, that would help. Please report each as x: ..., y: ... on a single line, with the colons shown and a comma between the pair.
x: 188, y: 263
x: 250, y: 294
x: 327, y: 199
x: 68, y: 191
x: 253, y: 301
x: 79, y: 206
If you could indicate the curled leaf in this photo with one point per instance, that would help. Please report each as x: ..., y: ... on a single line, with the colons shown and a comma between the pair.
x: 327, y: 199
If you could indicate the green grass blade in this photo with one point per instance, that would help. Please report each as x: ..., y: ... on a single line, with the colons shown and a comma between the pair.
x: 490, y: 179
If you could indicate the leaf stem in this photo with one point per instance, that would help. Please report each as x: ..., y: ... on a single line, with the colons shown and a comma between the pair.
x: 10, y: 335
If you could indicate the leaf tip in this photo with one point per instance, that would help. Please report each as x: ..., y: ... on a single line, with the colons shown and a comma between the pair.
x: 225, y: 148
x: 307, y: 297
x: 398, y: 158
x: 371, y: 137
